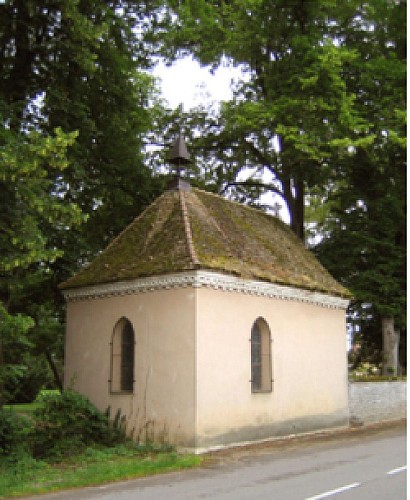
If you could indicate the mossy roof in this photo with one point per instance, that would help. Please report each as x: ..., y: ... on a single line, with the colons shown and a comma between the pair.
x: 185, y: 230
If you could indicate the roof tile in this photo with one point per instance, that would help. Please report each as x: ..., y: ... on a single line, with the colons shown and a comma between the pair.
x: 185, y: 230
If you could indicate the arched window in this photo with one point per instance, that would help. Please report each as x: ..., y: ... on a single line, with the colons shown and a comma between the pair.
x: 122, y: 357
x: 261, y: 363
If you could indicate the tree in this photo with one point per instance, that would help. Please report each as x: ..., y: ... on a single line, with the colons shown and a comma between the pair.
x: 293, y: 113
x: 27, y: 207
x: 365, y: 239
x: 77, y: 66
x: 320, y: 116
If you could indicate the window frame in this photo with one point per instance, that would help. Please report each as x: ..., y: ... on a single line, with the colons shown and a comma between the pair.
x: 261, y: 357
x: 122, y: 369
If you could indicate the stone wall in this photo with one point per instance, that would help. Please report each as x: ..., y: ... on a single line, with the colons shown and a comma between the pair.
x: 371, y: 402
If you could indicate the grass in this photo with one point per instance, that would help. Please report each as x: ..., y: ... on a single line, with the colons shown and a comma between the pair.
x: 24, y: 408
x: 30, y: 408
x: 22, y: 476
x: 93, y: 467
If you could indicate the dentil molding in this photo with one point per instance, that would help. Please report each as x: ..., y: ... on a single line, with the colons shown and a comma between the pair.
x: 206, y: 279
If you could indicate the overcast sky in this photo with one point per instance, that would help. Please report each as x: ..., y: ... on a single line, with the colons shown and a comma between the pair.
x: 187, y: 83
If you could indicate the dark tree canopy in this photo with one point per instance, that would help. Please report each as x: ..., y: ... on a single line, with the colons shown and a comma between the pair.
x: 77, y: 66
x: 293, y: 113
x: 318, y: 119
x: 365, y: 243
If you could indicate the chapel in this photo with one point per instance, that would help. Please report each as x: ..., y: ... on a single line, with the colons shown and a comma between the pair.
x: 207, y: 323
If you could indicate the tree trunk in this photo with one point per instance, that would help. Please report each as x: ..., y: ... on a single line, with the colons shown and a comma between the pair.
x: 298, y: 215
x: 1, y: 374
x: 57, y: 378
x: 391, y: 339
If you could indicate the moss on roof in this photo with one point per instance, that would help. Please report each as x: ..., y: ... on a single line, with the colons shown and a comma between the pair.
x: 185, y: 230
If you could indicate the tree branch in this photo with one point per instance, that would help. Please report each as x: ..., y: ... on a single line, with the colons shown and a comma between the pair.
x: 249, y: 183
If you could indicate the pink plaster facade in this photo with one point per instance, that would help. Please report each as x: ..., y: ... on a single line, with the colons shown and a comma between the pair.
x: 192, y: 358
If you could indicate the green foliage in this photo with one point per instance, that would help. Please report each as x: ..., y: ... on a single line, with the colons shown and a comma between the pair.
x: 67, y: 443
x: 44, y: 393
x: 59, y: 425
x: 364, y: 243
x: 320, y: 116
x: 370, y: 372
x: 29, y: 209
x: 69, y: 422
x: 28, y: 203
x: 74, y: 109
x: 14, y: 432
x: 93, y: 466
x: 293, y: 114
x: 321, y: 111
x: 34, y: 374
x: 23, y: 408
x: 84, y: 61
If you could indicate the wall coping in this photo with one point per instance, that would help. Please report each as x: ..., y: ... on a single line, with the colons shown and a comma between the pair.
x: 205, y: 279
x: 373, y: 382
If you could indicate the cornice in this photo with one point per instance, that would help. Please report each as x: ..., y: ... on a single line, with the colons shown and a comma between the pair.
x: 205, y: 279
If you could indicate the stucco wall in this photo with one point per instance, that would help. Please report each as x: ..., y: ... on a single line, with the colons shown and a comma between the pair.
x: 371, y: 402
x: 162, y: 406
x: 309, y: 368
x: 192, y: 360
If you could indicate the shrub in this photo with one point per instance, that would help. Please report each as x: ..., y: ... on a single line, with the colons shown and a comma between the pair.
x: 14, y: 433
x: 24, y: 385
x: 67, y: 423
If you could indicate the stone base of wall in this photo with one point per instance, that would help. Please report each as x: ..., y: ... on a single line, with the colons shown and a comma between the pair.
x: 371, y: 402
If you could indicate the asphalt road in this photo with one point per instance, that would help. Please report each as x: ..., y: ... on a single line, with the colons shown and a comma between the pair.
x: 361, y: 464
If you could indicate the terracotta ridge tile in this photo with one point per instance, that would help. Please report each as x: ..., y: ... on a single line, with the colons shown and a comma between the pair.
x: 188, y: 231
